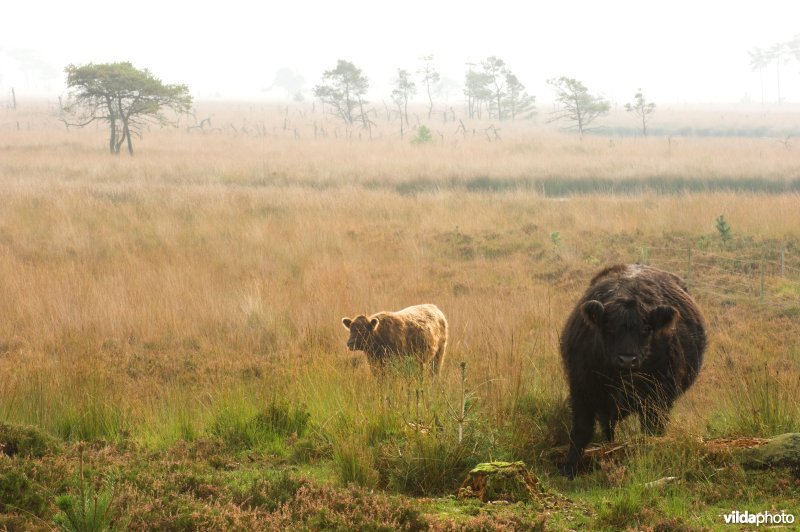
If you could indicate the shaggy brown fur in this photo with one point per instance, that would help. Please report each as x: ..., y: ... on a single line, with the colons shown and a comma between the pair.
x: 419, y: 331
x: 633, y: 344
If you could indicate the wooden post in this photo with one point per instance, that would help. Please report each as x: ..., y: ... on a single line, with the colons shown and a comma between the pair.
x: 762, y: 278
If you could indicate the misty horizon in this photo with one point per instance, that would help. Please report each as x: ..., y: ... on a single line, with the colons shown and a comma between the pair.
x: 679, y: 52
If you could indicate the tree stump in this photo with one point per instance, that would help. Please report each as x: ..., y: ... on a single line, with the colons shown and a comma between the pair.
x: 501, y: 481
x: 780, y: 451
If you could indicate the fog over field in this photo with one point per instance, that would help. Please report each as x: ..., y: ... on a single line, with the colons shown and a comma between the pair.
x: 677, y: 51
x: 193, y: 197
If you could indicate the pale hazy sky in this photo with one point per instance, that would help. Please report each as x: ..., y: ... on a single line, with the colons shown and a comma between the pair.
x: 677, y: 50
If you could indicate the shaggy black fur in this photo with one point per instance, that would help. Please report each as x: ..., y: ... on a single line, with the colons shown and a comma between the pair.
x: 633, y: 344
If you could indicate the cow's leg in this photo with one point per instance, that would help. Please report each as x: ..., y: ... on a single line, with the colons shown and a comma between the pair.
x: 583, y: 415
x: 608, y: 420
x: 438, y: 357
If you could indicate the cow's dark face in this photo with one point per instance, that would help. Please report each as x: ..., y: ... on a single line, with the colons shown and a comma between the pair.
x: 361, y: 329
x: 628, y: 329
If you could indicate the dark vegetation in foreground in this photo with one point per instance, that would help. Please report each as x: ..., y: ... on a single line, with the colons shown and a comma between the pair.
x: 217, y: 484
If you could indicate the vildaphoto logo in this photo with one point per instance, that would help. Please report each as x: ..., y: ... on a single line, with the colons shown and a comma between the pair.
x: 761, y: 518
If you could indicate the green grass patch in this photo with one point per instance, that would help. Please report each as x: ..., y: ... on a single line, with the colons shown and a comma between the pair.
x: 430, y: 463
x: 540, y: 423
x: 762, y: 403
x: 355, y: 462
x: 92, y: 418
x: 243, y: 425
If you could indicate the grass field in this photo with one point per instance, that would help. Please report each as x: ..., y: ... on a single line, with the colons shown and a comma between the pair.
x: 171, y: 322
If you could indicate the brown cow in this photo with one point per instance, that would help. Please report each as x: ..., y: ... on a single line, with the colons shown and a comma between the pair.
x: 633, y: 344
x: 419, y: 331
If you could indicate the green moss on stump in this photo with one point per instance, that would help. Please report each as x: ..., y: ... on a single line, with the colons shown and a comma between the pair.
x: 780, y: 451
x: 501, y: 481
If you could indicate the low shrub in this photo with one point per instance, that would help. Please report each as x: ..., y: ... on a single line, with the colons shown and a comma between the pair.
x: 18, y: 493
x: 355, y: 462
x: 762, y: 404
x: 25, y: 441
x: 428, y: 463
x: 269, y: 492
x: 241, y: 429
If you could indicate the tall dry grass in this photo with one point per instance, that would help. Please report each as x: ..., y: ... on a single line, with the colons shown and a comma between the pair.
x: 142, y: 297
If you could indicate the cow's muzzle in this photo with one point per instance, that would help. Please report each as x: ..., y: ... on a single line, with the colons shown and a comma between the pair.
x: 627, y: 361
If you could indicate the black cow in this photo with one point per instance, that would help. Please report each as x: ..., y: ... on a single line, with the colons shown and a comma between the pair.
x: 633, y: 343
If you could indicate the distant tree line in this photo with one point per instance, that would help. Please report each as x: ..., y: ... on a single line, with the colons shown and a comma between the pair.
x: 492, y: 91
x: 128, y: 99
x: 778, y: 54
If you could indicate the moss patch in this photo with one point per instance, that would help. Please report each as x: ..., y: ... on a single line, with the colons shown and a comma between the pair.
x: 780, y: 451
x: 501, y: 481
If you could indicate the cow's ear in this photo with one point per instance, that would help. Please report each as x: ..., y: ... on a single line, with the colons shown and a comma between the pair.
x: 373, y: 323
x: 663, y: 318
x: 592, y: 311
x: 347, y: 322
